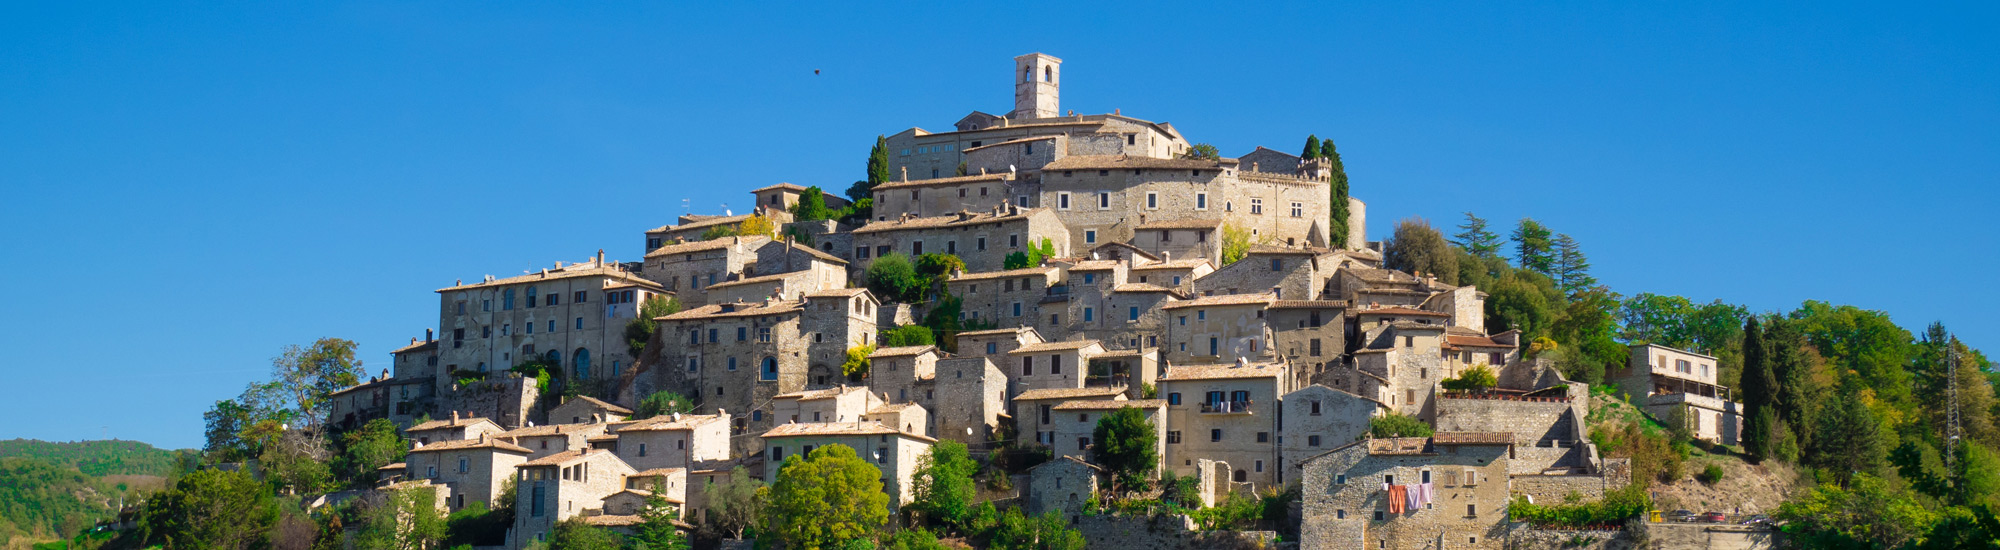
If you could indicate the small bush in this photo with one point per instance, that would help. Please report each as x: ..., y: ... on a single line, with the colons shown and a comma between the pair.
x: 1711, y: 474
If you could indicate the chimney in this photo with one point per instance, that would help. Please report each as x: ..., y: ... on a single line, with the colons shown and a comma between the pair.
x: 1242, y: 362
x: 1166, y: 256
x: 454, y: 417
x: 906, y: 173
x: 600, y: 256
x: 413, y: 339
x: 428, y: 335
x: 677, y: 417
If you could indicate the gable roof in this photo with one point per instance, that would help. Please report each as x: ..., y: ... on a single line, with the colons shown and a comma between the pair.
x: 955, y: 180
x: 451, y: 423
x: 609, y: 271
x: 805, y: 429
x: 901, y: 351
x: 1221, y: 372
x: 1069, y: 393
x: 602, y: 404
x: 738, y: 309
x: 1101, y: 404
x: 1222, y: 300
x: 1055, y: 346
x: 468, y: 444
x: 691, y: 247
x: 1117, y: 162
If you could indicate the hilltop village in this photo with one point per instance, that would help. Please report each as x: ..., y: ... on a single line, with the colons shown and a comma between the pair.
x: 1084, y: 265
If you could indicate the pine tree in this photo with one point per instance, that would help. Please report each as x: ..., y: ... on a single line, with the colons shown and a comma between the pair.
x: 1337, y: 228
x: 1475, y: 238
x: 1572, y: 272
x: 878, y: 171
x: 1312, y: 148
x: 1532, y: 249
x: 1755, y: 390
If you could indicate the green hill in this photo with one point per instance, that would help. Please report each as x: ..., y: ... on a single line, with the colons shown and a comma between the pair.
x: 96, y: 458
x: 40, y: 500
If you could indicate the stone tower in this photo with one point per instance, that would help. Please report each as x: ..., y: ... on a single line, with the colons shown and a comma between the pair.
x: 1037, y: 78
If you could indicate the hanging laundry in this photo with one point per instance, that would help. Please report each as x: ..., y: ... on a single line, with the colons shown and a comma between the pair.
x: 1415, y: 501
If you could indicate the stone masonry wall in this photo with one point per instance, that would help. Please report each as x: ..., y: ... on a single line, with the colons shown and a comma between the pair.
x: 1166, y: 533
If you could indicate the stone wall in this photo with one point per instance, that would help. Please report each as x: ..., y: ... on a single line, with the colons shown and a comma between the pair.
x: 508, y: 399
x: 1531, y: 420
x: 1524, y: 536
x: 1166, y: 533
x: 1545, y: 490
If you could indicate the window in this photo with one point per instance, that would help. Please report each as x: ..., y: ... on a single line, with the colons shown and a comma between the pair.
x: 1088, y: 315
x: 1378, y: 517
x: 1062, y: 201
x: 1472, y: 510
x: 861, y: 252
x: 553, y: 299
x: 1340, y: 479
x: 1153, y: 201
x: 1174, y: 398
x: 1256, y: 206
x: 1312, y: 441
x: 1263, y: 437
x: 462, y: 465
x: 1215, y: 434
x: 1013, y: 241
x: 1314, y: 351
x: 1017, y: 309
x: 712, y: 337
x: 1340, y: 514
x: 1277, y: 264
x: 732, y: 363
x: 579, y: 323
x: 1103, y: 201
x: 1174, y: 437
x: 992, y: 348
x: 535, y: 509
x: 1201, y: 315
x: 642, y: 449
x: 764, y: 334
x: 1089, y: 236
x: 1201, y: 201
x: 1055, y: 364
x: 979, y: 243
x: 1314, y: 406
x: 1132, y: 314
x: 507, y: 299
x: 1211, y: 346
x: 552, y: 325
x: 1028, y: 366
x: 1082, y: 443
x: 580, y: 297
x: 1182, y: 320
x: 1260, y: 466
x: 770, y: 368
x: 531, y: 296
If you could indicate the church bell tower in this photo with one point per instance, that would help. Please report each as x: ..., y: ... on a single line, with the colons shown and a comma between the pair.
x: 1037, y: 79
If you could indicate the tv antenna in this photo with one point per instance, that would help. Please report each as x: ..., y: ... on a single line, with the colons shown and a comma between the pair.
x: 685, y: 209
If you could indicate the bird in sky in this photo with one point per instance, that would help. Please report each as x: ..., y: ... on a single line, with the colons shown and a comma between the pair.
x: 815, y: 72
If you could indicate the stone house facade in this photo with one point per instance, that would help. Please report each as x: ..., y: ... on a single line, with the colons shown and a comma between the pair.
x: 694, y: 227
x: 1217, y: 329
x: 569, y: 316
x: 692, y: 441
x: 906, y: 417
x: 738, y: 356
x: 981, y: 238
x: 1175, y: 274
x: 971, y: 398
x: 541, y: 441
x: 454, y: 428
x: 1347, y: 501
x: 995, y: 344
x: 1062, y: 485
x: 415, y: 380
x: 584, y: 409
x: 1050, y: 365
x: 894, y: 452
x: 1317, y: 419
x: 476, y: 470
x: 1286, y: 273
x: 784, y: 196
x: 839, y: 404
x: 559, y: 486
x: 943, y: 195
x: 1008, y: 298
x: 1227, y: 413
x: 1675, y: 384
x: 1076, y: 422
x: 687, y: 268
x: 1034, y: 410
x: 1311, y: 335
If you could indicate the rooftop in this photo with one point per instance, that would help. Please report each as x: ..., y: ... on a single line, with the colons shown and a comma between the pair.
x: 1221, y: 372
x: 465, y: 444
x: 1116, y: 162
x: 1181, y: 224
x: 1069, y: 393
x: 704, y: 246
x: 901, y: 351
x: 665, y: 423
x: 1007, y: 274
x: 572, y: 271
x: 1472, y: 438
x: 1398, y: 310
x: 1222, y: 300
x: 450, y: 423
x: 806, y: 429
x: 975, y: 178
x: 965, y: 217
x: 1054, y: 346
x: 1100, y: 404
x: 739, y: 309
x: 602, y: 404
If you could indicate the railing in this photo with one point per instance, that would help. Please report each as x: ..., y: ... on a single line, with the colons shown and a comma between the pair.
x: 1503, y: 397
x: 1227, y: 407
x: 1111, y: 381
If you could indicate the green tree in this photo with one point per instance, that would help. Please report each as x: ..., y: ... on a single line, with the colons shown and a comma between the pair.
x: 913, y: 539
x: 1475, y: 379
x: 1235, y: 243
x: 907, y: 335
x: 1864, y: 341
x: 1015, y: 531
x: 1572, y: 269
x: 1312, y: 148
x: 1849, y: 438
x: 1397, y: 425
x: 737, y: 503
x: 943, y: 488
x: 663, y: 402
x: 405, y: 519
x: 828, y: 497
x: 1127, y: 444
x: 1755, y: 392
x: 1586, y: 329
x: 576, y: 534
x: 1797, y: 391
x: 1418, y: 248
x: 656, y: 529
x: 1868, y: 513
x: 1522, y: 300
x: 812, y: 206
x: 640, y: 329
x: 933, y: 270
x: 757, y: 225
x: 211, y: 509
x: 878, y: 171
x: 894, y: 278
x: 374, y: 445
x: 1201, y: 151
x: 1533, y: 250
x: 857, y: 361
x: 1473, y: 237
x: 1337, y: 212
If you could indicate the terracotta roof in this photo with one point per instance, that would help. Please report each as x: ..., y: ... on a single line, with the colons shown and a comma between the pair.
x: 1022, y: 272
x: 1145, y: 288
x: 702, y: 246
x: 607, y: 520
x: 1095, y: 265
x: 1381, y: 275
x: 1055, y: 346
x: 1073, y: 459
x: 813, y: 395
x: 837, y: 428
x: 948, y: 220
x: 1220, y: 372
x: 1473, y: 342
x: 1180, y: 224
x: 1266, y: 249
x: 1413, y: 325
x: 1397, y: 310
x: 901, y: 351
x: 1472, y: 438
x: 396, y: 466
x: 1069, y: 393
x: 463, y: 444
x: 788, y: 186
x: 974, y: 178
x: 1188, y: 263
x: 568, y: 272
x: 1011, y: 142
x: 1302, y: 304
x: 450, y: 423
x: 711, y: 221
x: 550, y: 429
x: 666, y: 423
x: 561, y: 458
x: 1221, y: 300
x: 1116, y: 162
x: 602, y: 404
x: 758, y: 279
x: 991, y: 332
x: 890, y: 407
x: 415, y: 347
x: 814, y: 252
x: 836, y: 293
x: 1397, y: 446
x: 656, y: 472
x: 1124, y: 353
x: 1100, y: 404
x: 741, y: 309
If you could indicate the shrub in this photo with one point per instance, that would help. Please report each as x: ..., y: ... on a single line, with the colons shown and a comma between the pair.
x: 1711, y: 474
x: 1396, y: 425
x: 1614, y: 509
x: 1474, y: 379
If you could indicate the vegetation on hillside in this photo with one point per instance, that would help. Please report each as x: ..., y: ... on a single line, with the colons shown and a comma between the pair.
x: 98, y: 458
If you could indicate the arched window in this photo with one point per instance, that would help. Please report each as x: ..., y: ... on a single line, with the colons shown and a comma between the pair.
x: 582, y: 362
x: 1048, y: 74
x: 531, y: 296
x: 770, y: 371
x: 554, y: 357
x: 1027, y: 74
x: 1242, y: 476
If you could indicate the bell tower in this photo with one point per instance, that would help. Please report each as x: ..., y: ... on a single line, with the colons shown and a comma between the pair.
x: 1037, y: 79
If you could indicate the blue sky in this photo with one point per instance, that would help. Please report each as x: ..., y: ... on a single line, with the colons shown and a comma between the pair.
x: 190, y: 188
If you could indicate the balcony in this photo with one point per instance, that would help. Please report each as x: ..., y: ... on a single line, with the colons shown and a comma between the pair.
x: 1228, y: 407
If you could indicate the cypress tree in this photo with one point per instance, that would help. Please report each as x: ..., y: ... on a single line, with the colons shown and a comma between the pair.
x: 1755, y: 390
x: 878, y: 171
x: 1337, y: 214
x: 1326, y: 149
x: 1792, y: 393
x: 1312, y: 148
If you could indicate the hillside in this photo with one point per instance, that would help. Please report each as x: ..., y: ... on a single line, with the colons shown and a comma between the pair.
x: 96, y: 458
x: 1748, y: 488
x: 43, y: 501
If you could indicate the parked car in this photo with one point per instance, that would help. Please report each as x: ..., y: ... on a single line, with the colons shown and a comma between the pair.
x: 1680, y: 515
x: 1713, y: 517
x: 1757, y: 520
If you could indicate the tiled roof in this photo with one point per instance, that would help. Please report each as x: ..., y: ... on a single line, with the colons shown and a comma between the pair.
x: 997, y: 176
x: 717, y: 220
x: 1069, y: 393
x: 607, y: 520
x: 900, y: 351
x: 948, y: 220
x: 396, y: 466
x: 550, y: 429
x: 741, y: 309
x: 1007, y: 274
x: 1397, y: 446
x: 602, y: 404
x: 1054, y: 346
x: 1181, y: 224
x: 1012, y: 142
x: 1472, y: 438
x: 758, y: 279
x: 666, y: 423
x: 1220, y: 372
x: 1473, y: 342
x: 463, y: 444
x: 1143, y: 287
x: 569, y: 272
x: 1303, y: 304
x: 788, y: 186
x: 1397, y: 310
x: 812, y: 395
x: 836, y: 293
x: 1095, y: 265
x: 1100, y: 404
x: 1187, y: 263
x: 703, y: 246
x: 837, y: 428
x: 814, y: 252
x: 1221, y: 300
x: 415, y: 347
x: 890, y: 408
x: 1116, y: 162
x: 561, y: 458
x: 656, y: 472
x: 992, y: 332
x: 1413, y: 325
x: 1381, y: 275
x: 1267, y: 249
x: 450, y: 423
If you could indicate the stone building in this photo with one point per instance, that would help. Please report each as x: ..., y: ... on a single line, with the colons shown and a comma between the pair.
x: 1179, y: 274
x: 571, y: 316
x: 355, y: 405
x: 1317, y: 419
x: 1227, y: 413
x: 1050, y: 365
x: 1285, y: 273
x: 995, y: 344
x: 906, y: 417
x: 692, y: 441
x: 902, y: 374
x: 694, y: 227
x: 838, y: 404
x: 686, y: 268
x: 1185, y: 238
x: 1034, y: 410
x: 895, y: 452
x: 971, y: 399
x: 982, y: 238
x: 541, y: 441
x: 415, y: 380
x: 450, y: 429
x: 560, y: 486
x: 942, y: 196
x: 475, y: 469
x: 1311, y: 335
x: 1062, y: 485
x: 1076, y: 424
x: 1678, y: 384
x: 1008, y: 298
x: 1347, y: 501
x: 784, y: 196
x: 1105, y: 198
x: 737, y: 356
x: 1218, y: 329
x: 586, y: 409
